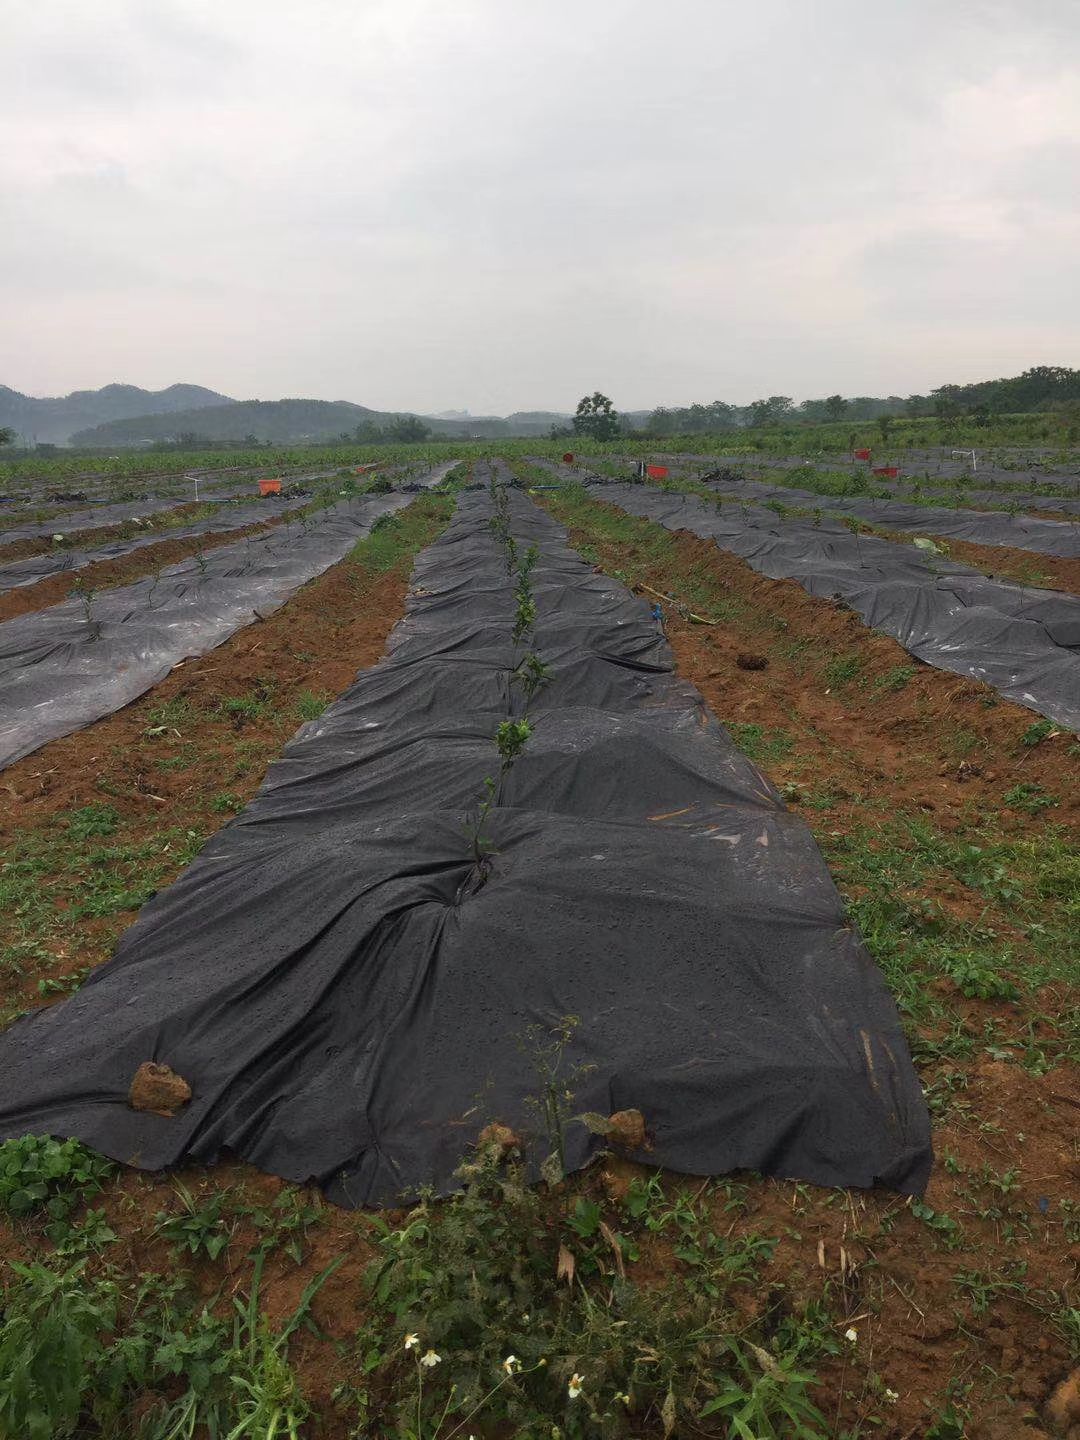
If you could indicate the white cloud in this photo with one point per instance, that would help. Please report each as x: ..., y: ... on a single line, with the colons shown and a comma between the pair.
x: 415, y: 205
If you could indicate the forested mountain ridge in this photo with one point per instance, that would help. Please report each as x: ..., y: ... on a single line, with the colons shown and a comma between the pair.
x: 54, y: 419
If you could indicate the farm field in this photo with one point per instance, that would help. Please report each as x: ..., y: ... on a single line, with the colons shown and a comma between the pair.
x: 618, y: 739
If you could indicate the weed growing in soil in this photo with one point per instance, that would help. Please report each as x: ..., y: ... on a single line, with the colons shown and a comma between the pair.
x: 510, y: 1305
x: 43, y: 1176
x: 80, y: 1355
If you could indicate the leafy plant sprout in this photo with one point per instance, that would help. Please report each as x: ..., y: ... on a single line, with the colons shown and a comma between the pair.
x: 531, y: 674
x: 86, y: 594
x: 525, y: 614
x: 855, y: 526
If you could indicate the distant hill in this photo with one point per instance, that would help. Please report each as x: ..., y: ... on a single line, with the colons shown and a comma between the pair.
x: 56, y: 419
x: 124, y: 417
x: 298, y: 422
x: 279, y: 421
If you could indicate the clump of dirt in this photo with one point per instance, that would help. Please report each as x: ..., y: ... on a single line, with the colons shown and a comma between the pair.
x: 497, y: 1140
x: 626, y: 1129
x: 158, y: 1089
x: 1063, y: 1407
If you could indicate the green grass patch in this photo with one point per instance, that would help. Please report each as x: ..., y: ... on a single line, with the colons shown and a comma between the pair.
x: 765, y: 747
x: 1015, y: 934
x: 395, y: 538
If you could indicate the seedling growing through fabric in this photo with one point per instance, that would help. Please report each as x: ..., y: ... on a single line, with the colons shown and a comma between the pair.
x: 525, y: 612
x: 531, y: 674
x: 477, y: 819
x: 855, y: 526
x: 87, y: 595
x: 510, y: 741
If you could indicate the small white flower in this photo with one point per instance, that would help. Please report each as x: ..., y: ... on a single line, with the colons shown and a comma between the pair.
x: 576, y: 1385
x: 511, y: 1364
x: 851, y: 1334
x: 411, y: 1340
x: 891, y: 1396
x: 430, y: 1359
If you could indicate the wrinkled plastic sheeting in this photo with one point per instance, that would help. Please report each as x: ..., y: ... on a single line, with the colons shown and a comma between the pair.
x: 348, y: 1008
x: 917, y: 467
x: 1022, y: 641
x: 97, y: 517
x: 64, y: 667
x: 34, y: 568
x: 1023, y: 532
x: 907, y: 486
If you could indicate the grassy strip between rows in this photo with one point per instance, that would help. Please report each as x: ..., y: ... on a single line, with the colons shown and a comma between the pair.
x: 615, y: 1304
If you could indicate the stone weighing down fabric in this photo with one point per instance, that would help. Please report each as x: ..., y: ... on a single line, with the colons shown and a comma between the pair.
x: 348, y: 1007
x: 1023, y: 641
x: 64, y: 667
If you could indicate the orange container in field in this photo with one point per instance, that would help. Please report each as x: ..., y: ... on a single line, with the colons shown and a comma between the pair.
x: 269, y: 487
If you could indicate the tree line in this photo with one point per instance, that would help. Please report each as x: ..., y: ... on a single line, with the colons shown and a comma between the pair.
x: 1042, y: 388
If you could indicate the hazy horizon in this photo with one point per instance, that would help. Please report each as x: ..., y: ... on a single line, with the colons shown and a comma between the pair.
x: 414, y: 208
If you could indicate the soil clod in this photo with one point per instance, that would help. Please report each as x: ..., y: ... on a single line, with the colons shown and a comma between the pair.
x: 497, y: 1139
x: 628, y: 1130
x: 158, y: 1089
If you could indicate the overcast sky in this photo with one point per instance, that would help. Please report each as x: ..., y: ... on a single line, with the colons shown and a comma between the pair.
x: 498, y: 205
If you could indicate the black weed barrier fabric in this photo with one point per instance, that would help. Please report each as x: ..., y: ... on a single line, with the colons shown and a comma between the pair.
x: 969, y: 489
x: 350, y: 1005
x: 68, y: 521
x: 64, y: 667
x: 33, y: 568
x: 987, y: 527
x: 1025, y: 642
x: 231, y: 516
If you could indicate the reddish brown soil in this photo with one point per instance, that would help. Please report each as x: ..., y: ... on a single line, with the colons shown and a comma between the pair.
x: 903, y: 739
x: 107, y: 574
